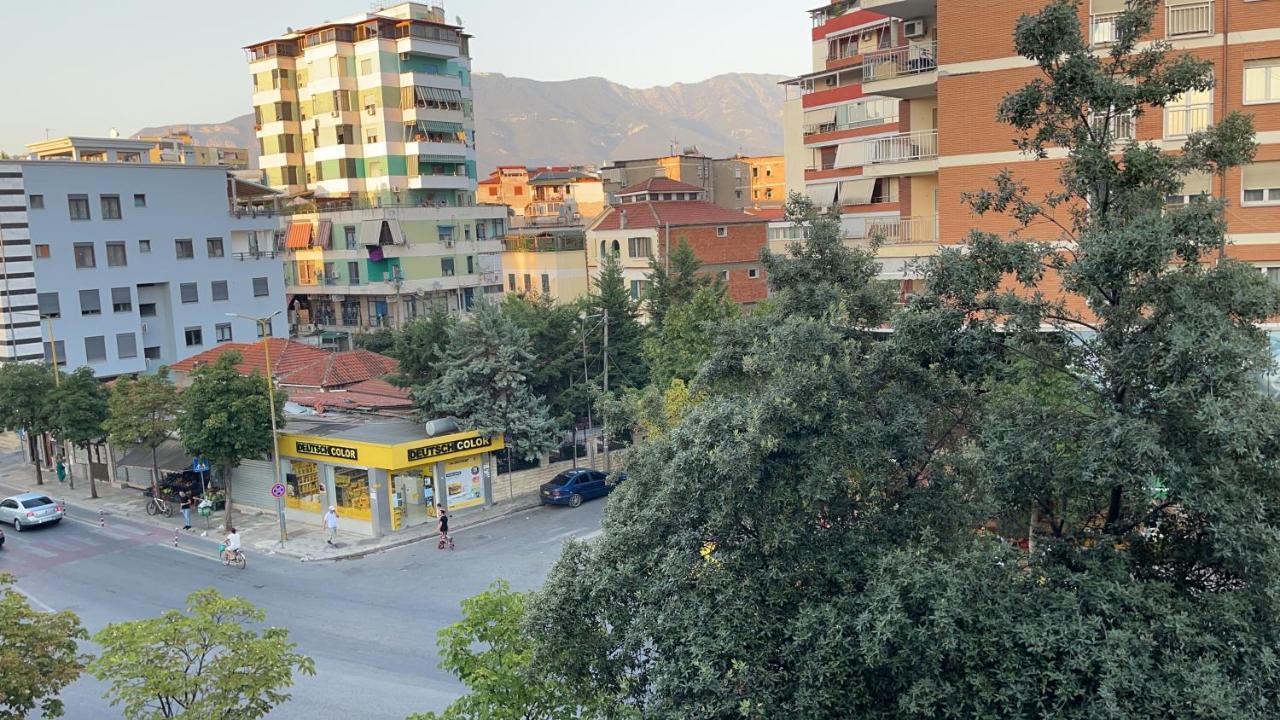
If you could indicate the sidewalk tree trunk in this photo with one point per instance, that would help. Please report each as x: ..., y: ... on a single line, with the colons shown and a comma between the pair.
x: 25, y: 390
x: 80, y: 409
x: 143, y: 412
x: 225, y: 417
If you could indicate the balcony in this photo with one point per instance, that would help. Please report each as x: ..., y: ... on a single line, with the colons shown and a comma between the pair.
x: 905, y: 9
x: 1102, y: 28
x: 904, y: 72
x: 904, y: 154
x: 1189, y: 20
x: 905, y: 231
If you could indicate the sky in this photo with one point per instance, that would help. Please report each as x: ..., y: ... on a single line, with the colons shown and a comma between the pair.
x: 88, y: 66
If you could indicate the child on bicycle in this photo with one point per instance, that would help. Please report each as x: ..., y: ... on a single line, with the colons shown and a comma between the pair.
x: 233, y: 545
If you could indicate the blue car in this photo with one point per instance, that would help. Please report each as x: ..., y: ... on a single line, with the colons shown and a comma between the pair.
x: 571, y: 487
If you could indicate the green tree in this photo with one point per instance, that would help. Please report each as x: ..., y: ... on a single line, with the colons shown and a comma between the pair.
x: 554, y: 332
x: 79, y: 409
x: 143, y: 411
x: 626, y: 335
x: 484, y: 383
x: 419, y: 347
x: 489, y: 652
x: 204, y: 663
x: 852, y: 544
x: 379, y: 341
x: 39, y: 655
x: 25, y: 389
x: 225, y: 417
x: 674, y: 281
x: 686, y: 338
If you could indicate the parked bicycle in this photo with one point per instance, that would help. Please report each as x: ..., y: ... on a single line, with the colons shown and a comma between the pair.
x: 158, y: 506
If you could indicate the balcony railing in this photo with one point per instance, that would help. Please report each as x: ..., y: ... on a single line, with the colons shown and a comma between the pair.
x: 1120, y: 128
x: 1184, y: 120
x: 815, y: 128
x: 904, y: 147
x: 905, y: 230
x: 257, y: 255
x: 908, y: 60
x: 1102, y: 28
x: 1191, y: 19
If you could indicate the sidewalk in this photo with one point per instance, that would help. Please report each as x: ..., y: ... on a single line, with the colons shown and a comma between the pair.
x: 258, y: 529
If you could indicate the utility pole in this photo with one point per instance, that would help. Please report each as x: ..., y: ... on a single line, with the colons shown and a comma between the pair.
x: 605, y: 311
x: 586, y: 380
x: 264, y: 329
x: 57, y: 381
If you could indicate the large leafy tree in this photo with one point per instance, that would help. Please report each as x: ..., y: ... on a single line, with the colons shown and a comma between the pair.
x: 419, y: 346
x: 25, y: 390
x: 143, y: 411
x: 554, y: 332
x: 960, y: 519
x: 484, y: 382
x: 209, y: 662
x: 39, y: 655
x: 79, y: 411
x: 677, y: 348
x: 226, y: 417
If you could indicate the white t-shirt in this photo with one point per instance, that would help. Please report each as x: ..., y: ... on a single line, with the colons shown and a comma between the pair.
x: 233, y: 541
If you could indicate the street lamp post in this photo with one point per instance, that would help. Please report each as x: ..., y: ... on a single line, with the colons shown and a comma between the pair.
x: 264, y: 329
x: 604, y: 320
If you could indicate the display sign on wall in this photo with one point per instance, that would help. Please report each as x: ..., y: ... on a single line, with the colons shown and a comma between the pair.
x: 464, y: 483
x: 453, y: 447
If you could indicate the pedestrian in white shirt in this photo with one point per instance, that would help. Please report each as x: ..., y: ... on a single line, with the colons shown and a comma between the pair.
x: 331, y: 524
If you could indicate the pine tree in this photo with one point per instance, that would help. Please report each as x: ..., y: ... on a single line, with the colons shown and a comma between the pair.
x: 674, y: 281
x: 626, y: 334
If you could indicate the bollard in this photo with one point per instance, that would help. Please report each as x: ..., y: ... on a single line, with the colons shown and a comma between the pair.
x: 102, y: 519
x: 175, y: 537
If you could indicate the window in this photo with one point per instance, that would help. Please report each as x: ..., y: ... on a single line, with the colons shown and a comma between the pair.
x: 110, y: 207
x: 639, y: 247
x: 1262, y: 81
x: 345, y: 134
x: 126, y: 346
x: 78, y: 205
x: 260, y: 287
x: 511, y: 282
x: 493, y: 191
x: 349, y: 232
x: 1262, y: 183
x: 184, y: 249
x: 446, y: 267
x: 152, y: 352
x: 193, y: 335
x: 638, y: 289
x: 95, y: 348
x: 218, y: 289
x: 56, y: 353
x: 471, y: 265
x: 214, y: 246
x: 146, y: 309
x: 190, y: 292
x: 1273, y: 274
x: 139, y: 200
x: 90, y: 302
x: 366, y: 66
x: 722, y: 231
x: 528, y: 282
x: 42, y: 251
x: 47, y: 304
x: 1191, y: 112
x: 84, y: 255
x: 753, y: 273
x: 222, y: 332
x: 144, y: 246
x: 353, y: 272
x: 264, y: 329
x: 546, y: 284
x: 724, y: 275
x: 121, y: 299
x: 116, y: 255
x: 36, y: 202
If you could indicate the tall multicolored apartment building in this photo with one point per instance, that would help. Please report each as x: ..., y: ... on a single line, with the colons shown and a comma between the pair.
x: 898, y: 118
x: 367, y: 123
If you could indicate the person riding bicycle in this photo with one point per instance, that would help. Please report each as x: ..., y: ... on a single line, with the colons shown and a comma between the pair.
x: 233, y: 545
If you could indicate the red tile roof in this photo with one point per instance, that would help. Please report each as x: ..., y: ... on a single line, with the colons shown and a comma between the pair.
x: 339, y: 370
x: 298, y: 364
x: 676, y: 214
x: 378, y: 396
x: 769, y: 213
x: 660, y: 184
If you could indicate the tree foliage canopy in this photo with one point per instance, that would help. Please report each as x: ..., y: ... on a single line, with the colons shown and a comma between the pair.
x: 39, y: 655
x: 419, y: 346
x: 80, y: 408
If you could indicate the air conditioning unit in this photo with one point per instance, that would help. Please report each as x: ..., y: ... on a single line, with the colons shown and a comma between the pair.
x: 913, y: 28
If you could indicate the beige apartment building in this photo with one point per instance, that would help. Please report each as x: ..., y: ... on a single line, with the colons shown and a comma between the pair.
x: 740, y: 182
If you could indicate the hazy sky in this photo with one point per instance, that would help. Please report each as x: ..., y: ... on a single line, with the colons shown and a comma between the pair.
x: 81, y: 67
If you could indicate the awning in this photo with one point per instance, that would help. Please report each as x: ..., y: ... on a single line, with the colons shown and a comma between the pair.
x: 377, y: 232
x: 857, y: 192
x: 822, y: 195
x: 324, y: 237
x: 852, y: 154
x: 444, y: 96
x: 440, y: 126
x: 299, y: 236
x: 824, y: 116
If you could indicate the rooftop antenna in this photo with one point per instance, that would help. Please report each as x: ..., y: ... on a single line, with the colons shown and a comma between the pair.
x: 46, y: 133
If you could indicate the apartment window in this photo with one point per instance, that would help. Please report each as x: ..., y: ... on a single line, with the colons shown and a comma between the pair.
x: 371, y: 136
x: 218, y: 289
x: 90, y: 302
x: 56, y: 353
x: 36, y: 202
x: 480, y: 232
x: 722, y: 231
x: 1191, y: 112
x: 42, y: 251
x: 95, y: 348
x: 366, y: 66
x: 47, y: 304
x: 1262, y: 81
x: 126, y: 345
x: 446, y: 267
x: 264, y: 329
x: 146, y: 309
x: 528, y: 282
x: 78, y: 205
x: 260, y: 287
x: 546, y: 284
x: 753, y: 273
x: 214, y: 246
x: 144, y: 246
x: 193, y: 335
x: 638, y: 289
x: 493, y: 191
x: 139, y: 200
x: 1262, y: 183
x: 471, y: 265
x: 121, y: 299
x: 511, y: 282
x: 184, y: 249
x: 349, y: 232
x: 116, y: 255
x: 222, y: 332
x: 639, y: 247
x: 724, y: 275
x: 110, y: 206
x: 189, y: 292
x: 345, y: 135
x: 353, y: 273
x: 84, y: 255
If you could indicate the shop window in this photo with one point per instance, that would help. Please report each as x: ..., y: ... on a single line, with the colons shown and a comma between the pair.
x: 351, y: 492
x: 303, y: 485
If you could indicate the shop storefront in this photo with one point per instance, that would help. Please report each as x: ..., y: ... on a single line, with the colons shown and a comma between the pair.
x: 382, y: 487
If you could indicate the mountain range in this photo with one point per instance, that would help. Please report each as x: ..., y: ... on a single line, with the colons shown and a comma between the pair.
x: 590, y: 120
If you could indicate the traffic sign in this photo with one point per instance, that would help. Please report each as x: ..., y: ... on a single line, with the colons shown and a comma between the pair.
x: 199, y: 465
x: 277, y: 491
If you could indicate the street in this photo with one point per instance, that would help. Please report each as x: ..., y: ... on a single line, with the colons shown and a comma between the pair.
x: 370, y: 624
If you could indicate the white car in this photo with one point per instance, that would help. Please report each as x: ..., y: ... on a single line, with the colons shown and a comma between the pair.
x: 28, y: 509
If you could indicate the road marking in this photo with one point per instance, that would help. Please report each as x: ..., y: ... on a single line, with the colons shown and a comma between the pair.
x: 557, y: 538
x: 29, y: 547
x: 592, y: 535
x: 43, y: 607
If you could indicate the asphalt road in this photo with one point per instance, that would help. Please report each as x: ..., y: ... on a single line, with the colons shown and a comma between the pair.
x: 370, y: 624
